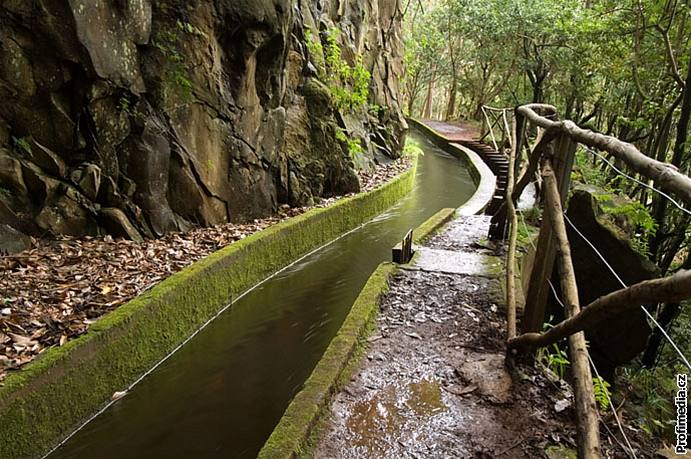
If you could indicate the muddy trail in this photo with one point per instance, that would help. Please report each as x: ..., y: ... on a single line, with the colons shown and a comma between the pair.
x: 433, y: 381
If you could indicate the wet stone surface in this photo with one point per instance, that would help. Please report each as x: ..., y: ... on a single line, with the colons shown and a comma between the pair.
x: 434, y: 381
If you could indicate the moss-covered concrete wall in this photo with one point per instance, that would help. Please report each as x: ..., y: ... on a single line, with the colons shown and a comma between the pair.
x: 50, y: 397
x: 291, y: 436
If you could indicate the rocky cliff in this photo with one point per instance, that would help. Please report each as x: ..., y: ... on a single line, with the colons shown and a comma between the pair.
x: 140, y: 117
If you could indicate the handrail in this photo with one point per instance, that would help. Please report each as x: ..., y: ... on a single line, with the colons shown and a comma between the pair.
x: 554, y: 150
x: 500, y: 119
x: 664, y: 290
x: 665, y: 175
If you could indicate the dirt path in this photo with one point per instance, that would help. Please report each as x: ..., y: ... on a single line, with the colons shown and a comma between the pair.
x: 455, y: 132
x: 433, y: 382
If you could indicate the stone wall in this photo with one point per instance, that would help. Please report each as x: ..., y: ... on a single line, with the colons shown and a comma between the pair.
x: 137, y: 118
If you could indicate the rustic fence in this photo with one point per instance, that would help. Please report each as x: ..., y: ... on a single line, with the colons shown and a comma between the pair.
x: 553, y: 154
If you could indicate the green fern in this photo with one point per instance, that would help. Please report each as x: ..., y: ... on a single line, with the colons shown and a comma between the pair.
x: 602, y: 393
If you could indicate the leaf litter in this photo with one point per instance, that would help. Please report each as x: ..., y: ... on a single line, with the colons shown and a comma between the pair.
x: 54, y: 291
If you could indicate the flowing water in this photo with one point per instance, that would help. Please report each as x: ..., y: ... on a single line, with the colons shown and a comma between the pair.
x: 222, y: 394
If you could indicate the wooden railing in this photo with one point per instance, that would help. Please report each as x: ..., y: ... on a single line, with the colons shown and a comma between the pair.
x: 553, y: 153
x: 496, y: 118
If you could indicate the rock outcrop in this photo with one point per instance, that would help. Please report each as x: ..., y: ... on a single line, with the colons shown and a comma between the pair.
x: 623, y: 337
x: 137, y: 117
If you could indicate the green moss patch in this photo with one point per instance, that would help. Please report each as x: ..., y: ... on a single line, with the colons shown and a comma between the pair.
x: 51, y: 396
x: 436, y: 221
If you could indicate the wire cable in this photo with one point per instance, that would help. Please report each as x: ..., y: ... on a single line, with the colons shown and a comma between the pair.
x: 592, y: 364
x: 650, y: 316
x: 661, y: 193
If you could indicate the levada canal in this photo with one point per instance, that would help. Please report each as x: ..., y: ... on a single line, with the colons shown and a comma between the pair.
x: 222, y: 394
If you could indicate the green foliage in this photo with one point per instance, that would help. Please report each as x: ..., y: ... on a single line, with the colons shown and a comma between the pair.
x: 176, y: 74
x: 554, y: 358
x: 622, y: 211
x: 316, y: 52
x: 7, y: 194
x: 190, y: 29
x: 635, y: 214
x: 355, y: 149
x: 652, y: 392
x: 22, y: 145
x: 528, y: 228
x: 125, y: 102
x: 602, y: 393
x: 412, y: 148
x: 348, y: 84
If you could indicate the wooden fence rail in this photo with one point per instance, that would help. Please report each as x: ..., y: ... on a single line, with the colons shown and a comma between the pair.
x: 554, y: 151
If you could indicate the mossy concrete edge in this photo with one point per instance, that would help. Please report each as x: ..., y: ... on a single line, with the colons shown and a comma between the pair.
x: 482, y: 175
x: 432, y: 224
x: 52, y: 395
x: 293, y: 431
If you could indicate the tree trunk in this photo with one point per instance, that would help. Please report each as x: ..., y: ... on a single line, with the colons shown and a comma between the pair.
x: 660, y: 208
x: 451, y: 106
x: 427, y: 107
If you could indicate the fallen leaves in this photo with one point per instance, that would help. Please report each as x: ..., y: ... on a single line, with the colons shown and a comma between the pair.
x: 54, y: 291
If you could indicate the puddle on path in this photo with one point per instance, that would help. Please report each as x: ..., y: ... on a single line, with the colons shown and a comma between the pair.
x: 374, y: 423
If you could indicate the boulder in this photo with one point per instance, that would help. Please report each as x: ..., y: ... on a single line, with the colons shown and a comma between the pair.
x: 12, y: 241
x: 88, y: 178
x: 116, y: 223
x: 623, y: 337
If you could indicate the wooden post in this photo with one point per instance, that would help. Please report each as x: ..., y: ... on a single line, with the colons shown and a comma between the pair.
x: 538, y: 288
x: 403, y: 251
x: 491, y: 128
x: 519, y: 139
x: 588, y: 426
x: 511, y: 254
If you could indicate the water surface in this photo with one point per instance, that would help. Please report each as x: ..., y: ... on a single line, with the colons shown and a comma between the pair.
x: 222, y: 394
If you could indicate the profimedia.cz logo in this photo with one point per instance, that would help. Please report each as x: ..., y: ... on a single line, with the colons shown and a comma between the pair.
x: 681, y: 402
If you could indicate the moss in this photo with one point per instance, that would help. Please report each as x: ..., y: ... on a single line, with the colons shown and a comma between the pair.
x: 51, y: 396
x: 290, y: 435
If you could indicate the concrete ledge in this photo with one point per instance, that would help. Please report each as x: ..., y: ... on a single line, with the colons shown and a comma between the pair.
x: 290, y: 437
x: 432, y: 224
x: 51, y: 396
x: 481, y: 174
x: 483, y: 177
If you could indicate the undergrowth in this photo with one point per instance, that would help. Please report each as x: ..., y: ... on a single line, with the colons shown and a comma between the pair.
x: 631, y: 216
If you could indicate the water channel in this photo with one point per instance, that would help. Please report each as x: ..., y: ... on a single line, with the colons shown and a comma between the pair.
x: 222, y: 394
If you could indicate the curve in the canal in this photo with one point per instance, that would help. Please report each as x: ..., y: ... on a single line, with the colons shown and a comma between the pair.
x: 222, y: 394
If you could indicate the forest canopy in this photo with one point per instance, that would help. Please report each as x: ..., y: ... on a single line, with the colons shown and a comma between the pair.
x: 620, y: 68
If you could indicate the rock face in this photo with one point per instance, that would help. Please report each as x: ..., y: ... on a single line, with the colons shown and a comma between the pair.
x: 620, y: 339
x: 139, y: 117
